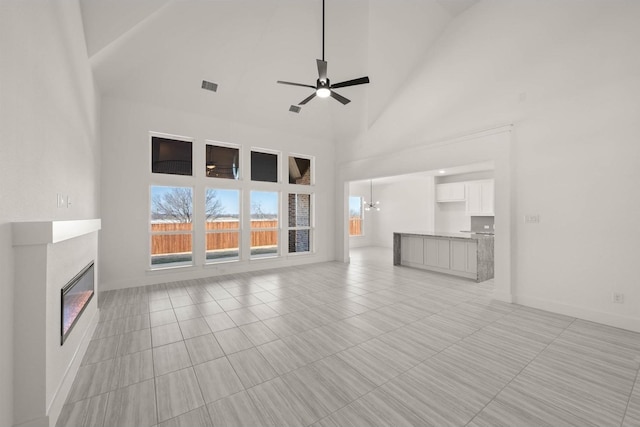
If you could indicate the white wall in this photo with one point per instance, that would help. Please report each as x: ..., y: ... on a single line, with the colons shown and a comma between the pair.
x: 407, y: 205
x: 562, y: 73
x: 48, y: 138
x: 126, y: 177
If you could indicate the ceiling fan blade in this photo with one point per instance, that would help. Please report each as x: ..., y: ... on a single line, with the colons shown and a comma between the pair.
x: 295, y: 84
x: 340, y: 98
x: 322, y: 69
x: 360, y: 81
x: 307, y: 99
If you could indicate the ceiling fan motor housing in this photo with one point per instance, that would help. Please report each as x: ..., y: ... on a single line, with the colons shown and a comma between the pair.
x: 323, y: 84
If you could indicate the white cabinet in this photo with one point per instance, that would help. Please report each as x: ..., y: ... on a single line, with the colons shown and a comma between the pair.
x: 412, y: 250
x: 437, y: 252
x: 480, y: 198
x: 464, y: 256
x: 451, y: 192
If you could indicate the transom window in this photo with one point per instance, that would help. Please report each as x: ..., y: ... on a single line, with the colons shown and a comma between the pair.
x: 264, y: 166
x: 171, y: 156
x: 222, y: 162
x: 299, y: 170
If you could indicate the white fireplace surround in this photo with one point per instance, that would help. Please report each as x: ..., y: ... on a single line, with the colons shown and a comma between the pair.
x: 47, y: 255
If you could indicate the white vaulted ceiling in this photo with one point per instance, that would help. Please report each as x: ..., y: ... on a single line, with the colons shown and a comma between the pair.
x: 159, y: 51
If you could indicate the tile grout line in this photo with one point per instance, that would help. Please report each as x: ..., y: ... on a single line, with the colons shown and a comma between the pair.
x: 404, y: 297
x: 153, y: 368
x: 408, y: 369
x: 635, y: 384
x: 521, y: 370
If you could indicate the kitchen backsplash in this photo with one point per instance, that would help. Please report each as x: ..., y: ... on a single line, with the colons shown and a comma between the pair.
x: 478, y: 223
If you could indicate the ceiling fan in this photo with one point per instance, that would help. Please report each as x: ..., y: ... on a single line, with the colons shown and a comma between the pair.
x: 323, y: 87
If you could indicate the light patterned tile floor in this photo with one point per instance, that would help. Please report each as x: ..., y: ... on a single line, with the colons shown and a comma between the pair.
x: 362, y: 344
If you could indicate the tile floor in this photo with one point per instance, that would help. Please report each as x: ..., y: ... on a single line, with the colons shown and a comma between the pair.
x: 364, y: 344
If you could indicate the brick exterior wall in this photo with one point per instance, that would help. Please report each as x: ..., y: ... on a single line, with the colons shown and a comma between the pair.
x: 299, y: 216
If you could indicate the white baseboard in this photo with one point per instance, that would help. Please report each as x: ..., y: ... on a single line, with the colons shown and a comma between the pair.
x: 153, y: 277
x: 502, y: 296
x: 38, y: 422
x: 610, y: 319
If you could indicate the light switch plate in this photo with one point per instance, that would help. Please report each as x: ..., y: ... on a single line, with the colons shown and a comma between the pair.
x: 62, y: 200
x: 532, y: 219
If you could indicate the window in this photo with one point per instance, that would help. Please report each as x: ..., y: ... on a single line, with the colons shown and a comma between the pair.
x: 299, y: 170
x: 299, y: 223
x: 222, y: 212
x: 171, y: 156
x: 171, y: 226
x: 264, y: 223
x: 355, y: 216
x: 264, y: 167
x: 222, y: 162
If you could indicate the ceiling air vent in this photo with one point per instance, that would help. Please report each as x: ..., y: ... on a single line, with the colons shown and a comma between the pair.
x: 295, y: 109
x: 213, y: 87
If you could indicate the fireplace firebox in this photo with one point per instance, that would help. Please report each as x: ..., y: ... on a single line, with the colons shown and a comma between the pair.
x: 75, y: 297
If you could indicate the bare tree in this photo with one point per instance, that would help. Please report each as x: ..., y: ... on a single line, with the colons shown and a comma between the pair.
x: 256, y: 211
x: 213, y: 206
x: 177, y: 205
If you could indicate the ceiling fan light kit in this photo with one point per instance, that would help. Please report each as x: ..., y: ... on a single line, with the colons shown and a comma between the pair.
x: 323, y: 87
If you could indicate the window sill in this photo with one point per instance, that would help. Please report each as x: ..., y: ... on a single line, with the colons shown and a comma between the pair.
x: 300, y: 254
x: 171, y: 268
x: 216, y: 263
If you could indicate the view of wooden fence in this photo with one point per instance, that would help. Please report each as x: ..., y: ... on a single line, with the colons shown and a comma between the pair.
x: 178, y: 243
x: 355, y: 226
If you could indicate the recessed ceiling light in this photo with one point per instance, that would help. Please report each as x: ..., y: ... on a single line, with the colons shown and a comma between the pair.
x: 442, y: 171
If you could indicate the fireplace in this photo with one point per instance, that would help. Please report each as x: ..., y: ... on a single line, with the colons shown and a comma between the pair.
x: 75, y: 297
x: 46, y: 254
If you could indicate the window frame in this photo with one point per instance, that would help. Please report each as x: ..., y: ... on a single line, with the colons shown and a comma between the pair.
x: 312, y: 166
x: 241, y: 166
x: 152, y: 233
x: 238, y: 230
x: 310, y: 227
x: 192, y: 140
x: 199, y: 183
x: 277, y: 228
x: 279, y: 168
x: 361, y: 205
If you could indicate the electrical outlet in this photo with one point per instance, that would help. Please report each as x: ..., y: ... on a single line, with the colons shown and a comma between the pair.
x: 486, y: 227
x: 532, y: 219
x: 617, y: 297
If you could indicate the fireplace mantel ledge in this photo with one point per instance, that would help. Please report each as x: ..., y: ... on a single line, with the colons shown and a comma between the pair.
x: 46, y: 232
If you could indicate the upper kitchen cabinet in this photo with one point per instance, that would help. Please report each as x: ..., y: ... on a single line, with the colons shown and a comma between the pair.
x: 480, y: 198
x: 451, y: 192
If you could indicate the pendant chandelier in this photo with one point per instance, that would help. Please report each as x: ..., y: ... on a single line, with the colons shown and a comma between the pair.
x: 371, y: 205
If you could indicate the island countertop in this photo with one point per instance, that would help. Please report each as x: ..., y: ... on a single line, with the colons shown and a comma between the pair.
x: 464, y: 254
x: 446, y: 234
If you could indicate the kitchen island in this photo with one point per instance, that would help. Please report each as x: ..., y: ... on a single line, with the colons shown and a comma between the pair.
x: 467, y: 255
